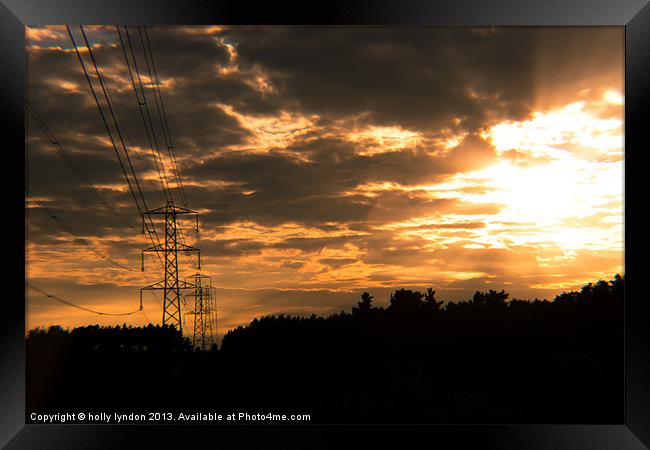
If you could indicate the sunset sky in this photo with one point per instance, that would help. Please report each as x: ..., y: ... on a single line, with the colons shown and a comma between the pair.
x: 329, y: 161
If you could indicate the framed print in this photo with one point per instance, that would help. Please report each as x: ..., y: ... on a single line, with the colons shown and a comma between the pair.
x: 261, y: 222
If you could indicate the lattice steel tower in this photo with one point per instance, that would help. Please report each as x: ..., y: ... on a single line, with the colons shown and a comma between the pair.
x: 203, y: 312
x: 171, y: 285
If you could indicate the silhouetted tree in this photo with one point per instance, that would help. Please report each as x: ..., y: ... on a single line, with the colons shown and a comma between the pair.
x: 430, y: 302
x: 124, y: 338
x: 490, y: 301
x: 365, y: 305
x: 405, y: 300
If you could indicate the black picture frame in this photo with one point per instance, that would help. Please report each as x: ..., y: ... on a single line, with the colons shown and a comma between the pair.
x: 634, y: 15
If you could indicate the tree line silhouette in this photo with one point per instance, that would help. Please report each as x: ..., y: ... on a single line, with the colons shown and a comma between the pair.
x: 111, y: 339
x: 486, y: 359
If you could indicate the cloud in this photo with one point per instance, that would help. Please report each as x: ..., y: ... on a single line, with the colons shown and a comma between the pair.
x: 423, y: 78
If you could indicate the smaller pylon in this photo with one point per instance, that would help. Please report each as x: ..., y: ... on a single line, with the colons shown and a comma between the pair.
x: 203, y: 312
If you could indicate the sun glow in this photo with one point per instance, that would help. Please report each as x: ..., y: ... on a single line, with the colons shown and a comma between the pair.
x: 548, y: 193
x: 570, y: 184
x: 556, y: 187
x: 577, y: 128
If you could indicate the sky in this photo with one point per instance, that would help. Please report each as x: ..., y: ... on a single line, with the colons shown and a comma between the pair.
x: 328, y: 161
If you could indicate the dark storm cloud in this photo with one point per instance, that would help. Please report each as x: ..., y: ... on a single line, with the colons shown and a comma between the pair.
x: 423, y: 78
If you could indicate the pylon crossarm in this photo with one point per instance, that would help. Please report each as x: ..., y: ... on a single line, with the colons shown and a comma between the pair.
x: 171, y: 208
x: 155, y: 248
x: 155, y: 286
x: 185, y: 285
x: 161, y: 285
x: 156, y: 211
x: 181, y: 210
x: 186, y: 248
x: 198, y: 275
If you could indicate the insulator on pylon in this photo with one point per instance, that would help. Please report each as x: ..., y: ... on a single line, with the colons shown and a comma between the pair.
x: 142, y: 255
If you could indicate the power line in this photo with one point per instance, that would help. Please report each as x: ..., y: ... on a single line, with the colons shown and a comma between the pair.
x: 161, y: 115
x: 146, y: 105
x: 119, y: 124
x: 70, y: 162
x: 161, y: 112
x: 110, y: 135
x: 110, y: 109
x: 70, y: 231
x: 160, y: 168
x: 74, y: 305
x: 182, y: 239
x: 101, y: 113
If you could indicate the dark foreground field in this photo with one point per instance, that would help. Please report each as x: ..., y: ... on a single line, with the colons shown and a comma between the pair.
x: 485, y: 360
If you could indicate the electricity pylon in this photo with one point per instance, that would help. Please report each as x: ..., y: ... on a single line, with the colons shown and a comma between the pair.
x: 203, y: 312
x: 171, y: 285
